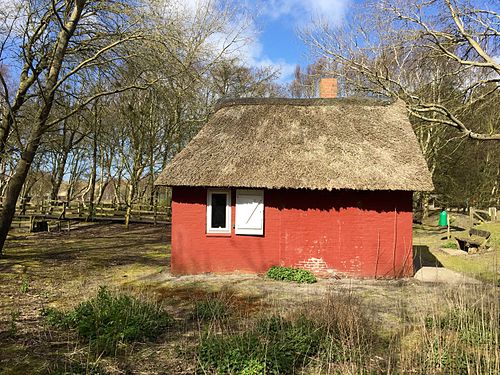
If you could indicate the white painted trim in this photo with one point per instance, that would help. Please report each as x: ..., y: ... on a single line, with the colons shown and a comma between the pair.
x: 227, y: 229
x: 259, y: 195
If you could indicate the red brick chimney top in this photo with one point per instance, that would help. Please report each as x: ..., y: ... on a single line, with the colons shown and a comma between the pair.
x: 328, y: 88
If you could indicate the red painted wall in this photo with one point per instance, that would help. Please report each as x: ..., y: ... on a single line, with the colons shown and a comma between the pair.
x: 363, y: 233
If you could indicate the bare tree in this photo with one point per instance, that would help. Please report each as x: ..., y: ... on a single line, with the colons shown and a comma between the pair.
x: 393, y: 47
x: 55, y: 41
x: 73, y: 54
x: 231, y: 78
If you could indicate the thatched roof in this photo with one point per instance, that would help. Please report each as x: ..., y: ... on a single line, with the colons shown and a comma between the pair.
x: 294, y: 143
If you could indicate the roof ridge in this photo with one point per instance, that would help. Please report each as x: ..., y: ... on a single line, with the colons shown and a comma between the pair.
x: 353, y: 100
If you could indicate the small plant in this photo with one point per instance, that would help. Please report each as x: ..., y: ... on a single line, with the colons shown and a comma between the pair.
x: 449, y: 245
x: 274, y: 346
x: 25, y: 284
x: 14, y: 316
x: 291, y: 274
x: 211, y: 309
x: 112, y: 319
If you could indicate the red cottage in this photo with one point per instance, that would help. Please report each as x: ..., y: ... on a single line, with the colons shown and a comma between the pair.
x: 321, y: 184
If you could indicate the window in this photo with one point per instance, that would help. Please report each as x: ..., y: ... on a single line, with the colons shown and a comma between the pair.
x: 218, y: 211
x: 249, y: 212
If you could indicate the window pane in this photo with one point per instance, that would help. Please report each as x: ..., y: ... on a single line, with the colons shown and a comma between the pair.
x: 218, y: 210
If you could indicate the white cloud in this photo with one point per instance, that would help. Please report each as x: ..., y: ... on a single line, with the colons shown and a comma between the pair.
x: 303, y: 11
x: 247, y: 47
x: 296, y: 12
x: 253, y: 54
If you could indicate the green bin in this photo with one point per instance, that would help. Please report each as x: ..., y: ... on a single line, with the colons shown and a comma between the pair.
x: 443, y: 219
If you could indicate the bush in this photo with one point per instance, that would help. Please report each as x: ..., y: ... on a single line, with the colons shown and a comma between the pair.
x: 274, y: 346
x: 449, y: 245
x: 291, y: 274
x: 111, y: 319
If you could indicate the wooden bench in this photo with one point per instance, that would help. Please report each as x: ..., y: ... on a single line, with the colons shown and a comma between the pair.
x: 475, y: 241
x: 38, y: 224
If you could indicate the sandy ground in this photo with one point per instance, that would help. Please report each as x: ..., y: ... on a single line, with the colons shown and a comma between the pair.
x: 443, y: 275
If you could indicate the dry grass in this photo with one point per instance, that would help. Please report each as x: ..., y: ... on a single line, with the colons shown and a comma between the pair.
x: 401, y: 326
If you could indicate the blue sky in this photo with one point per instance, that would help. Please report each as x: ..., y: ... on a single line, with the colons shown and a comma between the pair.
x: 276, y: 23
x: 273, y: 28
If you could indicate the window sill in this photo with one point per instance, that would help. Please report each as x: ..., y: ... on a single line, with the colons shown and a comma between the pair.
x: 218, y: 234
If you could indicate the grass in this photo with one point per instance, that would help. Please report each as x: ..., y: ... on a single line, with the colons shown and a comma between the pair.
x: 335, y: 331
x: 460, y: 334
x: 110, y: 320
x: 483, y: 266
x: 55, y: 270
x: 455, y: 335
x: 274, y: 345
x: 363, y: 326
x: 212, y: 308
x: 449, y: 245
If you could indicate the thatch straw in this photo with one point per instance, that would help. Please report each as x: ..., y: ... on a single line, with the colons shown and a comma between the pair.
x: 314, y: 144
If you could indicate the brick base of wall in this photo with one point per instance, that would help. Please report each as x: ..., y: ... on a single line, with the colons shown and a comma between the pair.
x: 317, y: 266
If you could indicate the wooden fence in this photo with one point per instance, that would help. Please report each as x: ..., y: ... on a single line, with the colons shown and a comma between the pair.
x: 60, y: 214
x: 490, y: 214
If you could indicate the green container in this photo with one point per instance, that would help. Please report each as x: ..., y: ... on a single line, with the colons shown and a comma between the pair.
x: 443, y: 219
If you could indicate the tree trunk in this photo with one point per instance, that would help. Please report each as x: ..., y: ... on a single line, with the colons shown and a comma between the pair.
x: 93, y: 175
x: 425, y: 198
x: 5, y: 130
x: 15, y: 184
x: 59, y: 175
x: 130, y: 198
x: 22, y: 168
x: 73, y: 178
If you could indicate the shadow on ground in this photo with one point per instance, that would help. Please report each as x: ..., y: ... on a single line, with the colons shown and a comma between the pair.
x: 422, y: 257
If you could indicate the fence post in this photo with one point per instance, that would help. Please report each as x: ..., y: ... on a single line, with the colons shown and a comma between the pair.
x: 32, y: 223
x: 493, y: 213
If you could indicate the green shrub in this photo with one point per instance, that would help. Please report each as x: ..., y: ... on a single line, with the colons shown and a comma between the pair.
x: 57, y: 318
x: 274, y: 346
x: 111, y: 319
x: 291, y: 274
x: 449, y: 245
x: 211, y: 309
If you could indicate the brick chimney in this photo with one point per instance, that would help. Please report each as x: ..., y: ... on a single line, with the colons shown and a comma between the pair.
x: 328, y: 88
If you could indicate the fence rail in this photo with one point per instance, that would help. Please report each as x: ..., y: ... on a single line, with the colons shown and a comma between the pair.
x: 31, y: 213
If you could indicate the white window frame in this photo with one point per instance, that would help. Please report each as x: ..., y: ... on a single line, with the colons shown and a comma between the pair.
x: 227, y: 229
x: 247, y: 231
